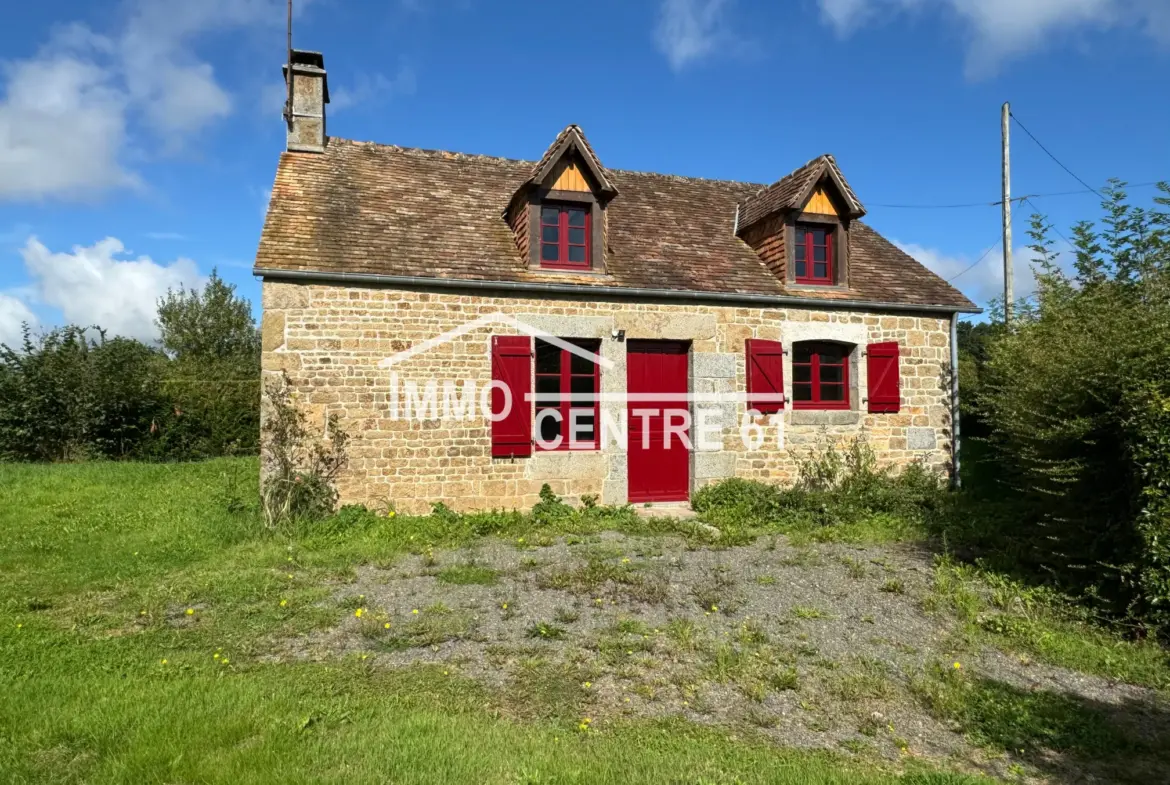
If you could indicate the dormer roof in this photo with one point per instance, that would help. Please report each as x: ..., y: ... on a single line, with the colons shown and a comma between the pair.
x: 793, y: 191
x: 569, y: 141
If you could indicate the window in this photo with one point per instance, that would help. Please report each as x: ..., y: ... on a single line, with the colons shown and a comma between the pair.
x: 820, y: 376
x: 564, y: 236
x: 813, y: 254
x: 567, y: 385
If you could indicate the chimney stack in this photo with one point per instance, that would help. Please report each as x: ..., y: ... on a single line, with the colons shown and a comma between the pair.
x: 310, y: 93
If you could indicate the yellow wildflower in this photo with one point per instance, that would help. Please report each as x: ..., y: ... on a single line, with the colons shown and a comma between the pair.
x: 190, y: 611
x: 625, y: 561
x: 164, y: 661
x: 215, y: 656
x: 284, y: 603
x: 386, y: 626
x: 224, y: 661
x: 714, y: 609
x: 587, y: 684
x: 415, y: 611
x: 957, y: 666
x: 358, y: 612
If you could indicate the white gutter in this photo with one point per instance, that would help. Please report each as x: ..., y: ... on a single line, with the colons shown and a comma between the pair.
x: 774, y: 300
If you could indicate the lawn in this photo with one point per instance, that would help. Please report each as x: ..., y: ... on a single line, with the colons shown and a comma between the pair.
x: 152, y: 631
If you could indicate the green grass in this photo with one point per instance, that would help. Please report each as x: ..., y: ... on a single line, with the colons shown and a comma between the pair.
x: 468, y: 574
x: 109, y: 680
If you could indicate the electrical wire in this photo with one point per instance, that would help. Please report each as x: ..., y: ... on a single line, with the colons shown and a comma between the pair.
x: 1053, y: 157
x: 975, y: 264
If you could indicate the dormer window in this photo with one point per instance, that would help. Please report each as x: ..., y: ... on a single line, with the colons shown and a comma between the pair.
x: 813, y: 254
x: 565, y: 231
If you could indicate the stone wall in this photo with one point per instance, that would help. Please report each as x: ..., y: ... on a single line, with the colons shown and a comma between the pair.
x: 331, y: 341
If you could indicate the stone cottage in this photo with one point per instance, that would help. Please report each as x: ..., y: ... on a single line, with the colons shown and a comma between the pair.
x: 482, y: 326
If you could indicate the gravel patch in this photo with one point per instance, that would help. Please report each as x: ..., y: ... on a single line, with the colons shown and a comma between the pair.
x: 813, y: 646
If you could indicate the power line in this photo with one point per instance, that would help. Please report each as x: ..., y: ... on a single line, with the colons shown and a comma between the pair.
x: 998, y: 203
x: 975, y: 264
x: 1053, y: 157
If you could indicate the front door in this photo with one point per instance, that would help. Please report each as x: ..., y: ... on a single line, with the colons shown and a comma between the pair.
x: 658, y: 446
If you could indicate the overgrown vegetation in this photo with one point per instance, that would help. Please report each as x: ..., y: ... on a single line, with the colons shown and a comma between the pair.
x: 842, y: 493
x: 1076, y: 400
x: 299, y: 467
x: 74, y: 393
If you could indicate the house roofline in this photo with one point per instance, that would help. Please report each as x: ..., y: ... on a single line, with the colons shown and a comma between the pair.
x: 780, y: 300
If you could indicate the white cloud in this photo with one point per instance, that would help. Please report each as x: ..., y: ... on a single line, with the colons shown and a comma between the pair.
x: 365, y: 90
x: 62, y: 127
x: 13, y: 314
x: 93, y: 286
x: 1002, y: 29
x: 692, y: 30
x: 66, y: 113
x: 983, y: 281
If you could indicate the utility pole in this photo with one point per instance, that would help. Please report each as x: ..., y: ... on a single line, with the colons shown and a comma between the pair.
x: 1008, y: 294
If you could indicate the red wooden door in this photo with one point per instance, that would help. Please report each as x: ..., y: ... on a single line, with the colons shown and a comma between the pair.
x: 659, y: 463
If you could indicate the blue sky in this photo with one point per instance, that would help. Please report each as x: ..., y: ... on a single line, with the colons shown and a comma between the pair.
x: 138, y: 138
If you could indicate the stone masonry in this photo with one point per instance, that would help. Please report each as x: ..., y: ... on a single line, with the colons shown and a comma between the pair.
x: 331, y: 339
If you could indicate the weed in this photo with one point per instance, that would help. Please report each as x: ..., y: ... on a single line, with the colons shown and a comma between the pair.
x: 684, y: 632
x: 766, y: 580
x: 565, y: 616
x: 893, y: 586
x: 717, y: 591
x: 545, y: 631
x: 809, y: 612
x: 467, y: 575
x: 854, y: 568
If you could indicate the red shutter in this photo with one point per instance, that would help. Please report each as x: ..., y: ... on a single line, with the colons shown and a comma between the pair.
x: 765, y: 374
x: 512, y: 365
x: 884, y: 384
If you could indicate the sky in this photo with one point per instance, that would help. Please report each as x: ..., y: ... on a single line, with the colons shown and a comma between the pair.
x: 139, y: 138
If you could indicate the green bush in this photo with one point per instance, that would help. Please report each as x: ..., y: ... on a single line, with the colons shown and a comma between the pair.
x: 835, y: 487
x: 1075, y: 395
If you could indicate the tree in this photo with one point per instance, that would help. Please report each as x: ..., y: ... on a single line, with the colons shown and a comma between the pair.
x: 1076, y: 399
x: 211, y: 323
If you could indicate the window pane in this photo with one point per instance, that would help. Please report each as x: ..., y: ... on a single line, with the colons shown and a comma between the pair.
x: 582, y: 364
x: 802, y: 353
x: 576, y: 253
x: 818, y: 236
x: 832, y: 392
x: 583, y: 385
x: 550, y: 215
x: 550, y: 252
x: 577, y: 236
x: 548, y: 390
x: 548, y: 358
x: 819, y: 253
x: 576, y: 217
x: 550, y: 429
x: 801, y: 392
x: 550, y: 234
x: 801, y: 269
x: 832, y: 353
x: 820, y: 270
x: 800, y: 250
x: 832, y: 373
x: 586, y: 426
x: 799, y: 235
x: 802, y: 373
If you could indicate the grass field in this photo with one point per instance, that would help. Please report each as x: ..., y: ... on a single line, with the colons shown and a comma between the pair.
x: 140, y: 606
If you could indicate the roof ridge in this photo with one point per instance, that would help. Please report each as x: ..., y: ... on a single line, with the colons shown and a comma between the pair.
x: 432, y: 152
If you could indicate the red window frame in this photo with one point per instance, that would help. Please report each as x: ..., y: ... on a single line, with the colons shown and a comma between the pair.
x: 565, y: 376
x: 809, y: 248
x: 562, y: 243
x: 818, y: 360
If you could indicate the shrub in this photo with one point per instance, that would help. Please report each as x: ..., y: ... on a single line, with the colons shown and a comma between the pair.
x: 299, y: 470
x: 835, y: 487
x: 1076, y: 398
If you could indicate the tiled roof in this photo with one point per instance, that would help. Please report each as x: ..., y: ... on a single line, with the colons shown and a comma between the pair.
x: 378, y: 209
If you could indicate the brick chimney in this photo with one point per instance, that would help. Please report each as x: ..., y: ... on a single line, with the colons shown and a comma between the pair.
x: 306, y: 127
